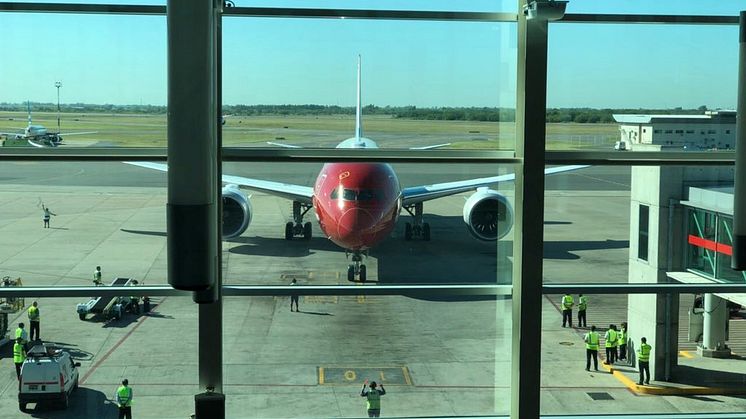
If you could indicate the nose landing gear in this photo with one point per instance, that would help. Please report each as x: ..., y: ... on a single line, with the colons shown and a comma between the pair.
x: 357, y: 268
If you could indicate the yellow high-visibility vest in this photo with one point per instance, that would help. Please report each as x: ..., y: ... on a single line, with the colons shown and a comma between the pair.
x: 643, y: 354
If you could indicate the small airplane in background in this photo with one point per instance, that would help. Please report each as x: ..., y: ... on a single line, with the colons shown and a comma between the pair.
x: 357, y: 204
x: 38, y: 135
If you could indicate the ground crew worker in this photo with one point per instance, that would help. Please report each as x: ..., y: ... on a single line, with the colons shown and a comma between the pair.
x: 591, y: 348
x: 294, y: 297
x: 33, y: 319
x: 97, y: 276
x: 622, y: 338
x: 19, y: 355
x: 124, y: 400
x: 47, y: 215
x: 567, y: 303
x: 374, y: 398
x: 609, y: 342
x: 582, y: 305
x: 21, y: 333
x: 643, y: 355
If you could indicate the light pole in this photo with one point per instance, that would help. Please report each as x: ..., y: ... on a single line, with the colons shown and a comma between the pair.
x: 58, y: 84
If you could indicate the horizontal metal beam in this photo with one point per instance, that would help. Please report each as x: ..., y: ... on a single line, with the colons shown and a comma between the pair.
x: 346, y: 290
x: 651, y: 288
x: 268, y: 154
x: 649, y: 19
x: 369, y: 14
x: 78, y: 8
x: 83, y: 153
x: 257, y: 291
x: 326, y: 13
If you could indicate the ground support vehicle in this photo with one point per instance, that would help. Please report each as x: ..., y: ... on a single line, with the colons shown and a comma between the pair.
x: 47, y: 375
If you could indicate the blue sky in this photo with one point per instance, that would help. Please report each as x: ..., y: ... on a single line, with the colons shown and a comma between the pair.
x: 122, y: 59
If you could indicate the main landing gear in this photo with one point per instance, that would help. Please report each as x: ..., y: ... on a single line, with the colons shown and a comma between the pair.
x: 417, y: 229
x: 297, y: 227
x: 357, y: 268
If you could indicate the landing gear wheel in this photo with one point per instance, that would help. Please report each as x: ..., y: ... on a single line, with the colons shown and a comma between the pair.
x: 22, y: 407
x: 426, y: 232
x: 363, y: 273
x: 307, y: 232
x: 351, y: 273
x: 289, y: 231
x: 407, y: 231
x: 81, y: 316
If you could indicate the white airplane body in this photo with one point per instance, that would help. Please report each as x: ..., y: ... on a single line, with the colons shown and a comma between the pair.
x: 38, y: 135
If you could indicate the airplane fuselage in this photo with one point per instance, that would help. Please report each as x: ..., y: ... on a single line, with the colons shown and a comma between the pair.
x: 357, y: 204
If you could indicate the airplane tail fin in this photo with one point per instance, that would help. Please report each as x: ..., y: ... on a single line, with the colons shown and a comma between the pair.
x: 359, y: 112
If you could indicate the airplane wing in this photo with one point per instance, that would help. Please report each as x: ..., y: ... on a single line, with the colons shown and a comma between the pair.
x: 417, y: 194
x: 303, y: 194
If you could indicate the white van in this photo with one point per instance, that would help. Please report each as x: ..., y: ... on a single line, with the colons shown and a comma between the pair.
x: 47, y: 375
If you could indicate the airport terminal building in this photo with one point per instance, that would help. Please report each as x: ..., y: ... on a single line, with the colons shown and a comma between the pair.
x: 231, y: 258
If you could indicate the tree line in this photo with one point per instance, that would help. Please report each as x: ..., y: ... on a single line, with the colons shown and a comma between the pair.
x: 489, y: 114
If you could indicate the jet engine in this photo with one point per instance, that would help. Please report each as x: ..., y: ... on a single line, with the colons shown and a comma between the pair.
x: 488, y: 215
x: 236, y: 212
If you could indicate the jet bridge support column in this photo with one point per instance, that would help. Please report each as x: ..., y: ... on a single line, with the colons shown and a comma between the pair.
x: 193, y: 207
x: 713, y: 338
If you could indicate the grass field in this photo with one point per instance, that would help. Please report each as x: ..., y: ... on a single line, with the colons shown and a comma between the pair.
x: 132, y: 130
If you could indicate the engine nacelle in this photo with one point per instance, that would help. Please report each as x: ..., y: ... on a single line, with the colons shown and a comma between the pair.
x: 236, y: 212
x: 488, y: 215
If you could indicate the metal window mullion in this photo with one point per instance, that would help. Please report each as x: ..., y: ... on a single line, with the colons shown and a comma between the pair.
x: 644, y: 288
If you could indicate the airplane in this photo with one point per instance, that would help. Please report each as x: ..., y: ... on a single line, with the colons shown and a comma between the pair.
x: 38, y: 136
x: 357, y: 205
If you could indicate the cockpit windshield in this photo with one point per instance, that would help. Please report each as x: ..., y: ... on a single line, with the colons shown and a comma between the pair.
x: 360, y: 195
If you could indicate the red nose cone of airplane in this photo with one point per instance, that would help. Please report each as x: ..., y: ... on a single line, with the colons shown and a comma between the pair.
x: 354, y: 227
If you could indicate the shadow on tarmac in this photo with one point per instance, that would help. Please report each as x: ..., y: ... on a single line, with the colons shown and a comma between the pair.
x: 685, y: 374
x: 84, y: 403
x: 564, y: 249
x: 317, y: 313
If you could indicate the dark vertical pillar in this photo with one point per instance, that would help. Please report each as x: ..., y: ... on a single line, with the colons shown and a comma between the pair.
x: 194, y: 180
x: 529, y: 209
x: 738, y: 261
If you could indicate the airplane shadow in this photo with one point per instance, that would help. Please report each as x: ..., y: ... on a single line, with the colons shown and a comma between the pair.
x: 279, y: 247
x: 564, y: 249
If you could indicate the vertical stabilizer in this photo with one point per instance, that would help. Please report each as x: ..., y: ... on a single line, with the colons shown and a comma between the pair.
x: 359, y: 113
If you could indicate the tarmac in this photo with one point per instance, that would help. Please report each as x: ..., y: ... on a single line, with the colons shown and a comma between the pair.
x: 436, y: 357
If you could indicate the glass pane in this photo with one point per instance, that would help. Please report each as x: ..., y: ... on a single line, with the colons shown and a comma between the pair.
x: 675, y: 94
x: 101, y: 82
x: 593, y: 224
x: 432, y: 5
x: 279, y: 234
x: 313, y: 363
x: 692, y: 361
x: 153, y: 347
x: 100, y: 214
x: 423, y: 83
